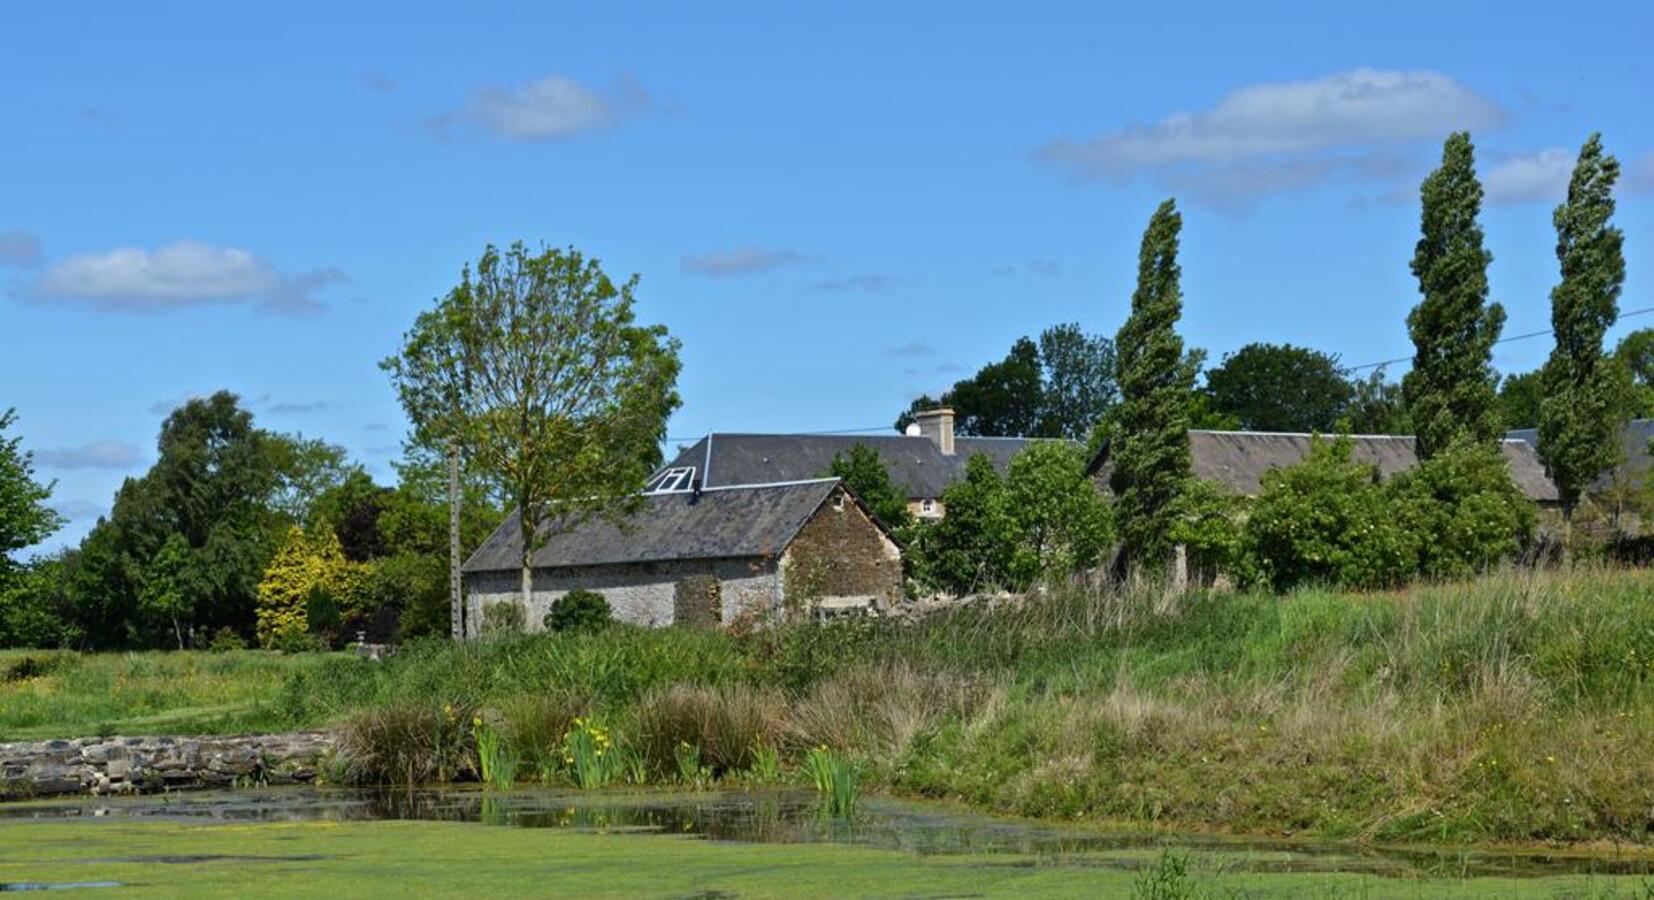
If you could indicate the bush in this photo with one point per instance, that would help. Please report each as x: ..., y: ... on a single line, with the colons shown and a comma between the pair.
x: 417, y: 585
x: 1325, y: 518
x: 226, y: 639
x: 726, y: 725
x: 1469, y: 513
x: 504, y: 617
x: 579, y: 611
x: 408, y: 744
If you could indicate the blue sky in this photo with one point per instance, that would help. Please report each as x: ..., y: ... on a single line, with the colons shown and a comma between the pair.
x: 834, y: 208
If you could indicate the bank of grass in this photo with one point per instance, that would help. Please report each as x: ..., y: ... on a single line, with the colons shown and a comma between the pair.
x: 1519, y: 707
x: 46, y: 694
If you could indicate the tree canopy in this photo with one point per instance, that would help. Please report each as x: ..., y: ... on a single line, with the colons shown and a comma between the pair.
x: 1280, y: 387
x: 1149, y: 435
x: 1450, y: 389
x: 561, y: 396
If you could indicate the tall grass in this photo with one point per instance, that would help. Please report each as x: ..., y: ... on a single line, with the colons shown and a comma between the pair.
x: 835, y: 779
x: 1516, y: 707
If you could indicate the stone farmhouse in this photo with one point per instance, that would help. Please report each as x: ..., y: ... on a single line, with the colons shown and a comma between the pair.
x: 702, y: 556
x: 921, y: 463
x: 1237, y: 460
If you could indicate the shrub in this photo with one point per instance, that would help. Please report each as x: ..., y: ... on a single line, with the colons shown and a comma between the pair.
x: 1325, y: 518
x: 503, y: 617
x: 417, y: 585
x: 1468, y: 512
x: 878, y: 709
x: 537, y: 723
x: 579, y: 611
x: 725, y: 724
x: 226, y: 639
x: 408, y: 744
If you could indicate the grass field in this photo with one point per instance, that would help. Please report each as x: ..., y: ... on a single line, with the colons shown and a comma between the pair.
x: 1517, y: 708
x: 417, y: 859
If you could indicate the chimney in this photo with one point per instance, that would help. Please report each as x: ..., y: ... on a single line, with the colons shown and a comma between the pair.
x: 937, y: 424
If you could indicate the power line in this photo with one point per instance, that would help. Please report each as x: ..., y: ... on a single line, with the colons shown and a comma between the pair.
x: 870, y: 428
x: 1505, y: 340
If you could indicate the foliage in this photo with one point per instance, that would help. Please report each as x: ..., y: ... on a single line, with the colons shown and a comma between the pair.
x: 1149, y: 441
x: 497, y: 758
x: 1450, y: 389
x: 1579, y: 415
x: 723, y: 724
x: 1467, y: 513
x: 1079, y: 382
x: 504, y: 617
x: 1279, y: 387
x: 1004, y: 398
x: 163, y: 591
x: 972, y: 547
x: 34, y: 609
x: 212, y: 486
x: 409, y: 744
x: 590, y: 755
x: 1377, y: 407
x: 25, y: 519
x: 864, y: 473
x: 1326, y: 519
x: 1519, y: 398
x: 309, y: 574
x: 565, y: 397
x: 1208, y: 525
x: 579, y: 610
x: 1061, y: 386
x: 416, y: 586
x: 834, y: 778
x: 1636, y: 351
x: 306, y: 470
x: 1058, y: 518
x: 352, y: 509
x: 1167, y: 879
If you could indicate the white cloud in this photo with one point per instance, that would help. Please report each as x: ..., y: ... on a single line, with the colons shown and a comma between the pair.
x: 96, y: 455
x: 19, y: 248
x: 551, y: 108
x: 741, y: 261
x: 1270, y: 137
x: 184, y: 274
x: 1530, y: 177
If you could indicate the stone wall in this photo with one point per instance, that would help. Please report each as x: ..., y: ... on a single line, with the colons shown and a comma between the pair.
x: 640, y: 593
x: 840, y: 552
x: 114, y: 765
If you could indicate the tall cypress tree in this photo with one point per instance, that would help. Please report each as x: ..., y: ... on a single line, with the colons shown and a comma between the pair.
x: 1450, y: 392
x: 1149, y: 444
x: 1578, y: 412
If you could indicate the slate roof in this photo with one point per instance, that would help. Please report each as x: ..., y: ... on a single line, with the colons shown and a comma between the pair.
x: 1635, y: 436
x: 1237, y: 459
x: 757, y: 521
x: 916, y: 464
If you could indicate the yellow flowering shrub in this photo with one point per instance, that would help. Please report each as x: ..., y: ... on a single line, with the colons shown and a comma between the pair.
x: 303, y: 567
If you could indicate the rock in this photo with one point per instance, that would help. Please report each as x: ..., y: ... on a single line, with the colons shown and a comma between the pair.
x: 127, y: 764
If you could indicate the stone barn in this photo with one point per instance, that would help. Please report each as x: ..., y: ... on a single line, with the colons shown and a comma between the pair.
x: 702, y: 557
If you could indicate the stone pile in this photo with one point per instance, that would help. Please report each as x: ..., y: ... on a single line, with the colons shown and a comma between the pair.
x: 114, y: 765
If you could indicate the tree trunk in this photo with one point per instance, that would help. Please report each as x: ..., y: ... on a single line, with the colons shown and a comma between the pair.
x: 1567, y: 534
x: 456, y: 606
x: 528, y: 565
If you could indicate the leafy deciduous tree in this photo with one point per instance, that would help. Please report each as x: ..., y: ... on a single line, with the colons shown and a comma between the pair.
x: 864, y: 472
x: 1579, y: 415
x: 1149, y: 436
x: 1279, y: 387
x: 1450, y: 390
x: 568, y: 396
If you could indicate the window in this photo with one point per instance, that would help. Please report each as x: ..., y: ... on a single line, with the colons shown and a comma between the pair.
x: 838, y: 502
x: 672, y: 481
x: 927, y: 508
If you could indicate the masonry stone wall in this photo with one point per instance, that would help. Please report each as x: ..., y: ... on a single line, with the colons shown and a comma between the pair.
x: 840, y: 552
x: 640, y: 593
x: 115, y: 765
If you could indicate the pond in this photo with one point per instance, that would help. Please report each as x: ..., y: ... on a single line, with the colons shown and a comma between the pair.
x: 159, y: 842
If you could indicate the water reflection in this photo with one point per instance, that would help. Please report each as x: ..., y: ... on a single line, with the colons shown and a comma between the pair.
x: 785, y: 816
